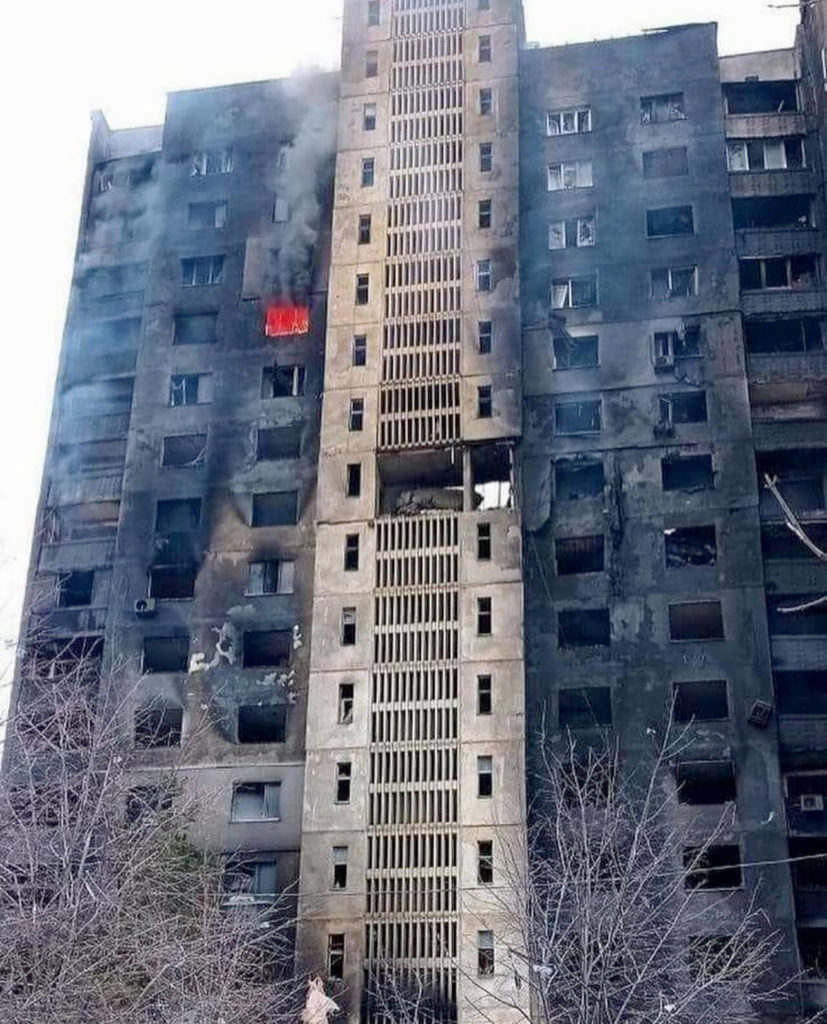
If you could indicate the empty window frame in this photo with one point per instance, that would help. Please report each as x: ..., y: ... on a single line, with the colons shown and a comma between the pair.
x: 166, y: 653
x: 796, y: 272
x: 574, y: 292
x: 690, y: 546
x: 484, y: 337
x: 765, y: 154
x: 254, y: 876
x: 485, y: 954
x: 576, y: 353
x: 207, y: 215
x: 484, y: 50
x: 485, y: 776
x: 336, y: 955
x: 769, y: 213
x: 211, y: 161
x: 484, y: 542
x: 368, y: 171
x: 801, y: 692
x: 779, y: 543
x: 669, y: 162
x: 812, y: 946
x: 271, y: 576
x: 687, y: 473
x: 278, y: 443
x: 262, y: 723
x: 485, y: 694
x: 667, y: 106
x: 369, y: 117
x: 584, y: 417
x: 267, y: 648
x: 717, y: 866
x: 184, y: 450
x: 573, y: 174
x: 584, y: 627
x: 682, y: 407
x: 486, y: 157
x: 74, y: 589
x: 343, y: 781
x: 575, y: 121
x: 282, y: 381
x: 195, y: 329
x: 703, y: 700
x: 364, y: 229
x: 484, y: 213
x: 172, y: 582
x: 190, y: 389
x: 158, y: 725
x: 351, y: 552
x: 577, y: 232
x: 353, y: 484
x: 339, y: 864
x: 670, y: 220
x: 482, y: 275
x: 356, y: 414
x: 794, y: 334
x: 371, y: 63
x: 345, y: 707
x: 674, y: 283
x: 804, y: 621
x: 705, y: 783
x: 667, y: 346
x: 485, y: 406
x: 275, y: 508
x: 485, y: 861
x: 202, y: 270
x: 575, y: 555
x: 484, y: 616
x: 575, y: 479
x: 584, y: 707
x: 486, y: 101
x: 696, y: 620
x: 177, y: 515
x: 256, y: 801
x: 760, y: 97
x: 347, y: 627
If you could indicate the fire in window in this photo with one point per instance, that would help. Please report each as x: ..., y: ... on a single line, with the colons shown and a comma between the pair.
x: 282, y: 321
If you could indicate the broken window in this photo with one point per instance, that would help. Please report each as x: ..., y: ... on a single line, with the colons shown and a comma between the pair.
x: 760, y: 97
x: 207, y: 215
x: 569, y: 122
x: 484, y: 336
x: 485, y: 406
x: 282, y: 381
x: 578, y: 478
x: 772, y: 212
x: 195, y: 329
x: 584, y: 627
x: 486, y: 101
x: 778, y: 542
x: 667, y: 346
x: 354, y: 480
x: 705, y: 700
x: 485, y: 694
x: 484, y: 541
x: 812, y: 946
x: 484, y: 616
x: 336, y: 955
x: 212, y: 161
x: 713, y: 867
x: 351, y: 552
x: 201, y: 270
x: 668, y: 106
x: 578, y: 417
x: 575, y: 353
x: 267, y: 648
x: 369, y: 117
x: 669, y: 162
x: 274, y: 576
x: 74, y: 589
x: 801, y: 693
x: 364, y: 229
x: 574, y: 292
x: 166, y: 653
x: 275, y: 508
x: 485, y: 953
x: 575, y: 174
x: 682, y: 407
x: 177, y: 515
x: 810, y: 871
x: 804, y: 621
x: 670, y: 220
x: 256, y: 801
x: 687, y: 473
x: 702, y: 783
x: 190, y: 389
x: 766, y: 154
x: 345, y: 715
x: 172, y: 582
x: 800, y: 476
x: 371, y: 63
x: 796, y: 272
x: 584, y: 707
x: 253, y: 876
x: 347, y: 627
x: 793, y: 334
x: 484, y: 50
x: 696, y: 620
x: 690, y: 545
x: 484, y: 213
x: 485, y: 861
x: 343, y: 779
x: 674, y: 283
x: 368, y: 171
x: 91, y: 521
x: 491, y: 477
x: 278, y: 443
x: 356, y: 414
x: 483, y: 275
x: 486, y: 157
x: 262, y: 723
x: 184, y: 450
x: 576, y: 232
x: 579, y: 555
x: 158, y: 725
x: 485, y: 776
x: 339, y: 880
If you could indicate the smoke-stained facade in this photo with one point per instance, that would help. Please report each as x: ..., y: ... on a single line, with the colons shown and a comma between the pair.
x: 404, y: 409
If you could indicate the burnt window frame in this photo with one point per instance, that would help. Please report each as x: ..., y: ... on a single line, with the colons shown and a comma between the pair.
x: 720, y: 699
x: 673, y: 609
x: 246, y: 730
x: 261, y: 495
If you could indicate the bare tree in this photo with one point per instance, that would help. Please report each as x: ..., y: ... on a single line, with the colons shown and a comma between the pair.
x: 108, y: 912
x: 793, y: 524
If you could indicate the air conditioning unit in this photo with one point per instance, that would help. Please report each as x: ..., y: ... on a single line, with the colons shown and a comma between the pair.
x: 144, y: 607
x: 811, y: 802
x: 760, y: 714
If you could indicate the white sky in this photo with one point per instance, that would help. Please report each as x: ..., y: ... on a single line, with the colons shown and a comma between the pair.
x: 62, y: 60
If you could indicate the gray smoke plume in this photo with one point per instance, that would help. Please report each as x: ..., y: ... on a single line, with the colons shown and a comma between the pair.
x: 307, y: 172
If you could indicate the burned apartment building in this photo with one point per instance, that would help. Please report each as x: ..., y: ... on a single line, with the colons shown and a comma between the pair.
x: 405, y: 410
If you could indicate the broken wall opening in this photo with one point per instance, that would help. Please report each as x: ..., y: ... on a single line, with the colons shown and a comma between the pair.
x: 801, y: 693
x: 577, y: 555
x: 690, y: 545
x: 761, y: 97
x: 584, y: 627
x: 578, y: 478
x: 696, y: 620
x: 414, y: 482
x: 702, y: 783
